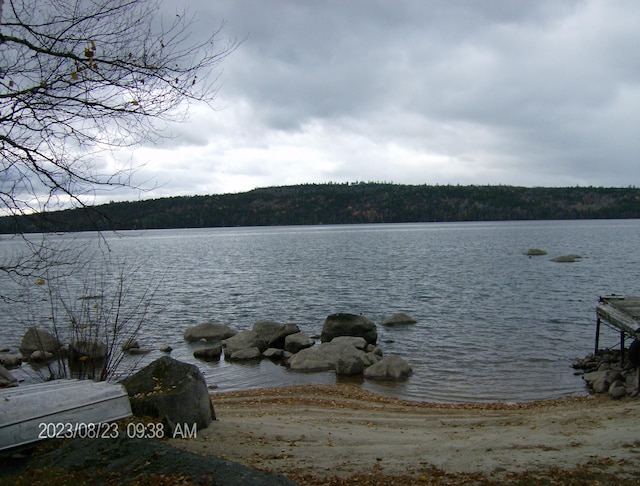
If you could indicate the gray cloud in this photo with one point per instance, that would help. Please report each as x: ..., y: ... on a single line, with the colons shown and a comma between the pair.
x: 500, y: 92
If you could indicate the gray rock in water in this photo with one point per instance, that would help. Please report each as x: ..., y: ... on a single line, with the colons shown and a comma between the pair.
x: 130, y: 343
x: 38, y: 339
x: 10, y: 360
x: 273, y: 353
x: 172, y: 391
x: 325, y: 356
x: 243, y: 340
x: 274, y: 333
x: 350, y: 362
x: 139, y: 351
x: 40, y: 356
x: 209, y: 331
x: 391, y: 368
x: 166, y: 348
x: 297, y: 342
x: 566, y: 259
x: 245, y: 354
x: 349, y: 325
x: 535, y: 252
x: 400, y: 319
x: 92, y: 349
x: 6, y: 378
x: 209, y: 353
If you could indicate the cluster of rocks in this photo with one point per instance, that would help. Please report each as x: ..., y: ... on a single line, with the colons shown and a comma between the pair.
x: 40, y: 346
x: 604, y: 373
x: 348, y: 346
x: 571, y: 258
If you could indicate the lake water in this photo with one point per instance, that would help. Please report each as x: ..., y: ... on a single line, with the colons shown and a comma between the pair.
x: 493, y: 324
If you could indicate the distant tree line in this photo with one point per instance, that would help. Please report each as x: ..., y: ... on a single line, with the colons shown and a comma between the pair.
x: 331, y: 203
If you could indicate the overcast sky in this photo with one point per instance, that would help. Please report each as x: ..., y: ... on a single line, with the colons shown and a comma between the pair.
x: 531, y: 93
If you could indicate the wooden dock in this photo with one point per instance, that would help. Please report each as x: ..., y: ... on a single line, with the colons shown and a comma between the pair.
x: 620, y: 313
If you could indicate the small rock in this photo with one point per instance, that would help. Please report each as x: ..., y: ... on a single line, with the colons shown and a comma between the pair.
x: 6, y: 378
x: 130, y: 343
x: 166, y: 348
x: 245, y: 354
x: 139, y: 351
x: 10, y: 360
x: 566, y: 259
x: 40, y: 356
x: 210, y: 353
x: 535, y: 252
x: 273, y: 353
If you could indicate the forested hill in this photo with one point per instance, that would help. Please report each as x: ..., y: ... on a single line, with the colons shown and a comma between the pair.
x: 343, y: 203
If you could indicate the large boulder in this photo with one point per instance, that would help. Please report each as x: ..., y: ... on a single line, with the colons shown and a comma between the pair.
x: 274, y: 333
x: 243, y: 340
x: 38, y: 339
x: 349, y: 325
x: 172, y: 391
x: 209, y: 331
x: 297, y: 342
x: 392, y: 368
x: 324, y: 357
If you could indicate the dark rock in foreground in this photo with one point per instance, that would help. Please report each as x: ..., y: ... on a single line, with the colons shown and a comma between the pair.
x: 172, y: 391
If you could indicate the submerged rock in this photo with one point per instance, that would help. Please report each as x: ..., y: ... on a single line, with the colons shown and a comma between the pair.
x: 535, y: 252
x: 567, y: 259
x: 399, y: 320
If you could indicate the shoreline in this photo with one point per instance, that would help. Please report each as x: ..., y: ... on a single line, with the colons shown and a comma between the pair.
x: 321, y: 433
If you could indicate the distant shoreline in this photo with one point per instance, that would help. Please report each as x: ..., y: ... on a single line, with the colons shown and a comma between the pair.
x: 360, y: 203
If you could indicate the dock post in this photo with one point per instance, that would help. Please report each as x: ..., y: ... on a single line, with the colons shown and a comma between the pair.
x: 595, y: 351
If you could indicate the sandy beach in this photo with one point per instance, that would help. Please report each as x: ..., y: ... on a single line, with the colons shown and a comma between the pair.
x: 340, y: 434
